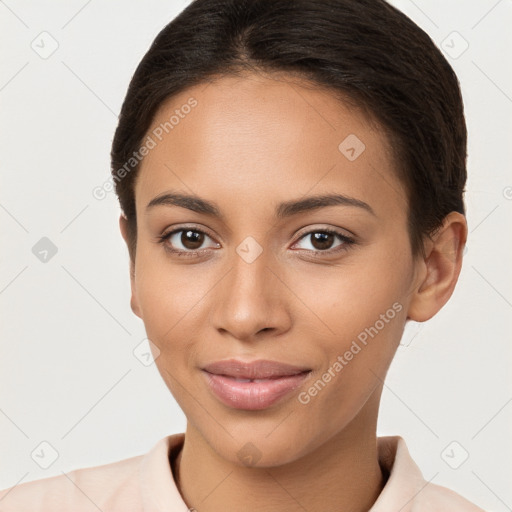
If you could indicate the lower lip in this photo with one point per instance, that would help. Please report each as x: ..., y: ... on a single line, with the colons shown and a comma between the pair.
x: 252, y: 396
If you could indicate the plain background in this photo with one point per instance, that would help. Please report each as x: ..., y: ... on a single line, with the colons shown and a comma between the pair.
x: 68, y: 373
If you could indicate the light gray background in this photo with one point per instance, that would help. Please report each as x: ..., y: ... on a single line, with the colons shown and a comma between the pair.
x: 68, y: 374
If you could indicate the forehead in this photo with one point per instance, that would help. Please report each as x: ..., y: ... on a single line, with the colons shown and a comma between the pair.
x: 266, y: 139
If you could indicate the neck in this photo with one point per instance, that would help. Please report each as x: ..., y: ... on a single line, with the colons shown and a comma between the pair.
x: 342, y: 474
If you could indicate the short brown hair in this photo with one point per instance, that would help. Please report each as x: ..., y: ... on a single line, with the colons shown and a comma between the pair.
x: 366, y: 50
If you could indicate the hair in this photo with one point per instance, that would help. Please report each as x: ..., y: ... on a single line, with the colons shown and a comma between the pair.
x: 365, y: 51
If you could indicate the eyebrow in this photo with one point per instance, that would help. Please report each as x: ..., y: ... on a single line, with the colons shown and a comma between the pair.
x: 283, y: 210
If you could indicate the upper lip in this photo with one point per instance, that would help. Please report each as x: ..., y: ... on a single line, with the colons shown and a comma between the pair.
x: 260, y: 369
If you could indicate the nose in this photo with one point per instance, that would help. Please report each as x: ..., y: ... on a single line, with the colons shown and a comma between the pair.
x: 251, y: 301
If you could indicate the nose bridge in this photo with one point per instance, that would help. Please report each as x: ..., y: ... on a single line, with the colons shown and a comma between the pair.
x: 250, y: 276
x: 250, y: 285
x: 249, y: 300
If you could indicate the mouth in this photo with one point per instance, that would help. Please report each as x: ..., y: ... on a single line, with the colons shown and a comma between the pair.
x: 253, y: 386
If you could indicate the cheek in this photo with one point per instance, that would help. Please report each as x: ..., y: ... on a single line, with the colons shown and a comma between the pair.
x: 169, y: 296
x: 362, y: 307
x: 351, y: 297
x: 363, y: 331
x: 167, y: 289
x: 366, y: 318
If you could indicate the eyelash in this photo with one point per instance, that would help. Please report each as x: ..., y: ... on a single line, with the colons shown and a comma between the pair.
x: 347, y: 242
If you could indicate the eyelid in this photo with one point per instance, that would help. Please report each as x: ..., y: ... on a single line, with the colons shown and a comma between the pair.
x: 185, y: 227
x: 342, y: 232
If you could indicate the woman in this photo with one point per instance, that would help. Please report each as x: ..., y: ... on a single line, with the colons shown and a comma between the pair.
x: 291, y: 178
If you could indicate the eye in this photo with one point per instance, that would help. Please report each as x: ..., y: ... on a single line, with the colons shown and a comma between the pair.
x: 189, y: 241
x: 185, y: 241
x: 322, y: 240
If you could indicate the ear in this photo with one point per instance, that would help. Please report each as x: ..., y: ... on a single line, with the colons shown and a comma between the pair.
x: 439, y: 269
x: 134, y: 303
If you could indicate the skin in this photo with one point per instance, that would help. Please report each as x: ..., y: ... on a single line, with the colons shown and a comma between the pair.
x: 252, y: 142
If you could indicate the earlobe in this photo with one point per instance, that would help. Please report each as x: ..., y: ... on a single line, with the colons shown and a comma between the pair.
x: 134, y: 303
x: 440, y: 268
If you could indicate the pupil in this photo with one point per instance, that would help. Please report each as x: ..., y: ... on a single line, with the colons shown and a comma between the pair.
x: 192, y: 239
x: 322, y: 240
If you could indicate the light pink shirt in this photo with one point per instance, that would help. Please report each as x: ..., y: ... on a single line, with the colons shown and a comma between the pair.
x: 145, y: 483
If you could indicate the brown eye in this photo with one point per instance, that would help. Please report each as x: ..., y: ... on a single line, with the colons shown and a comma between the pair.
x: 325, y: 241
x: 186, y: 241
x: 191, y: 239
x: 322, y: 240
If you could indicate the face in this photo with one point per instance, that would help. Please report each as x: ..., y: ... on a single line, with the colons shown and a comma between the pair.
x: 324, y: 285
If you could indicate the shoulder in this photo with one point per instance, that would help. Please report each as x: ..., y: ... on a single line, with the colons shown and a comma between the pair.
x: 110, y: 487
x: 407, y: 490
x: 435, y: 498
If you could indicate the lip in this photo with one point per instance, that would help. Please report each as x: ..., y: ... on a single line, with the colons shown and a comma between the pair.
x: 259, y: 369
x: 264, y: 382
